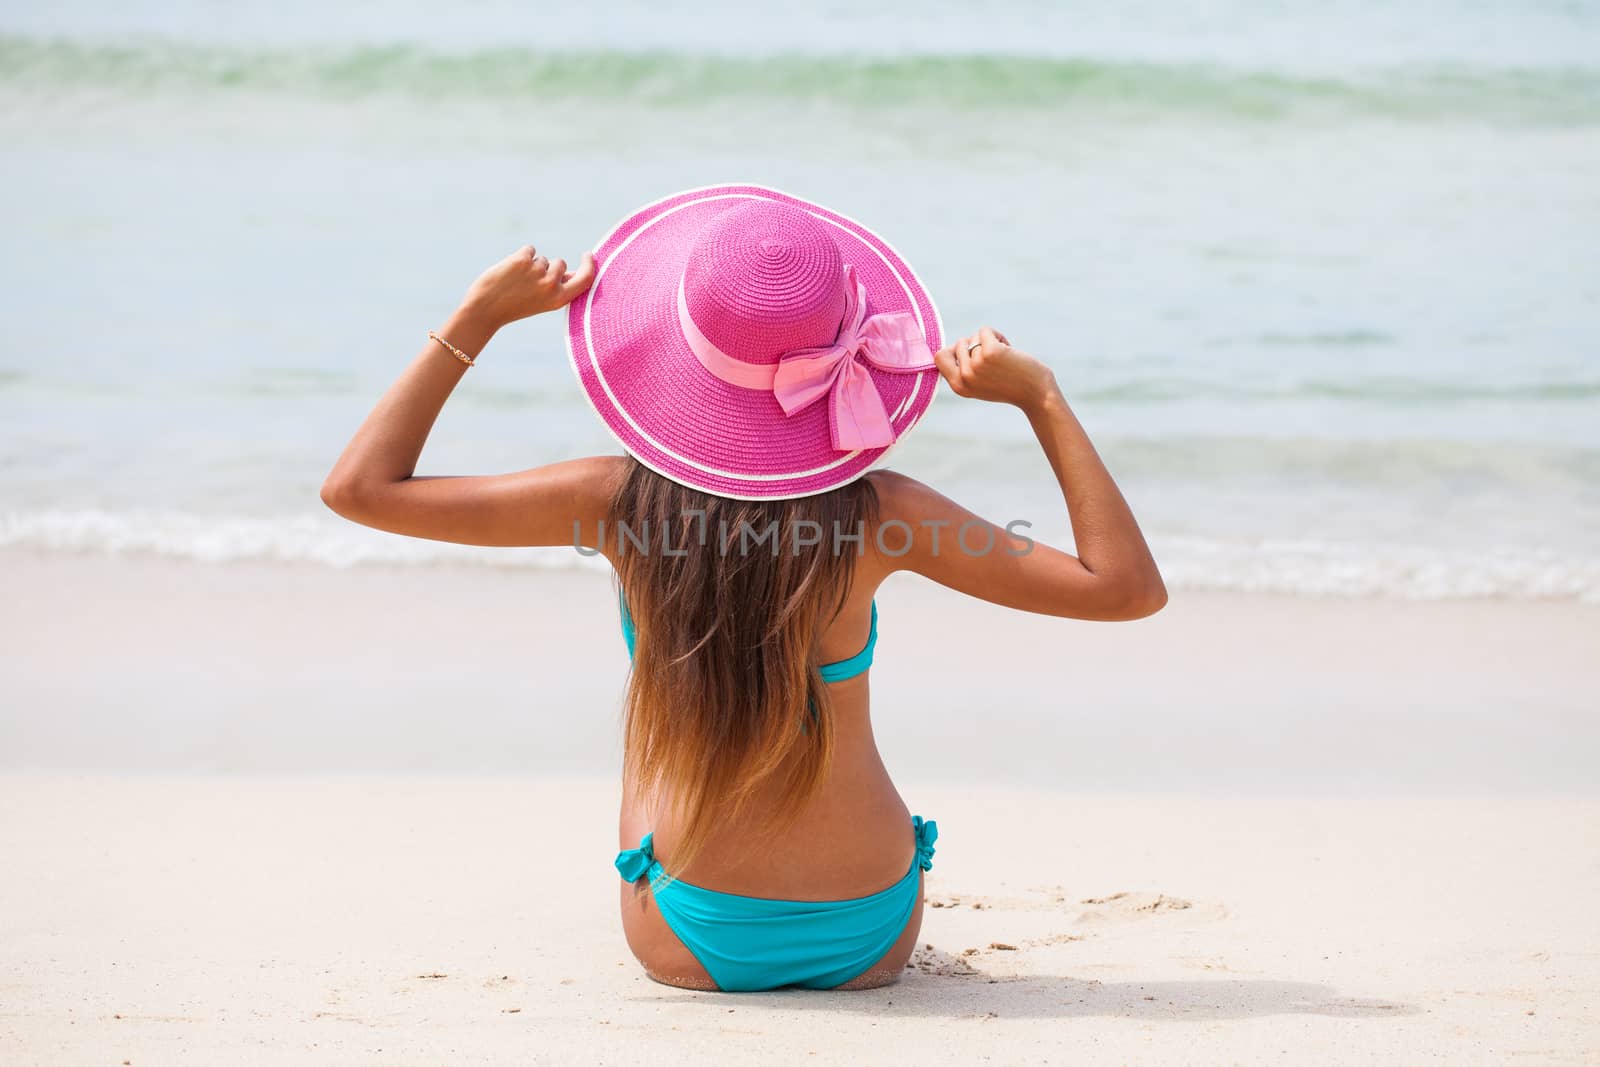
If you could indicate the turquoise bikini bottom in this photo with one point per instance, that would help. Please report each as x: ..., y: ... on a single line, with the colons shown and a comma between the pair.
x: 750, y: 943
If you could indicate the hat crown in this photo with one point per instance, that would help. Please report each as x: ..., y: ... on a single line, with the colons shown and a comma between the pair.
x: 764, y: 279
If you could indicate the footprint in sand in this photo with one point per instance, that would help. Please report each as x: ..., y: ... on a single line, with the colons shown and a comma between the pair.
x: 1132, y: 907
x: 1136, y: 902
x: 1052, y: 939
x: 1002, y: 937
x: 940, y: 964
x: 1056, y: 898
x: 977, y: 902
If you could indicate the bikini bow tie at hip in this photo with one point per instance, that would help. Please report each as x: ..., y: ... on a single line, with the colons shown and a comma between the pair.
x: 927, y: 833
x: 634, y: 863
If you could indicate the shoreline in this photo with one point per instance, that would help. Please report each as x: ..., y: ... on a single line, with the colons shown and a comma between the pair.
x: 270, y: 668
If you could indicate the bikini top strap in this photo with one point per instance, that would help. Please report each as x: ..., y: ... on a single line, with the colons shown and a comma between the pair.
x: 831, y: 672
x: 627, y: 622
x: 858, y: 663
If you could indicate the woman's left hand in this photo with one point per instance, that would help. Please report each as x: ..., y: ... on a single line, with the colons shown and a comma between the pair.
x: 525, y: 284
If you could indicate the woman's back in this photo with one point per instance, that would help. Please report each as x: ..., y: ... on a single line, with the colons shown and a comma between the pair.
x: 749, y: 750
x: 851, y: 838
x: 843, y: 841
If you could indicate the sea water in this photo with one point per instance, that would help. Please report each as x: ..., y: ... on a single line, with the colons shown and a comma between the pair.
x: 1321, y: 279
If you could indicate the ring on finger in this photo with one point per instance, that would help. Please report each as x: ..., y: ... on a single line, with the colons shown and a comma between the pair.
x: 975, y: 344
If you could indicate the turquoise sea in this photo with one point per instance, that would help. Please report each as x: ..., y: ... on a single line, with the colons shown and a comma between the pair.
x: 1322, y: 279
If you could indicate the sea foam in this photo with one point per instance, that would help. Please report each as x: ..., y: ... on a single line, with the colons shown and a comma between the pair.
x: 1293, y: 567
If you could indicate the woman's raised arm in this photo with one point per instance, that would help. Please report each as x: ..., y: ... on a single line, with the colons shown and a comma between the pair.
x: 1112, y: 577
x: 373, y: 482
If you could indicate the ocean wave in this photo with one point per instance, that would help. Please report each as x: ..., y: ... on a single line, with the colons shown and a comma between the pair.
x: 239, y: 538
x: 1384, y: 390
x: 1414, y: 573
x: 1403, y: 466
x: 1559, y: 96
x: 1293, y: 567
x: 1379, y: 390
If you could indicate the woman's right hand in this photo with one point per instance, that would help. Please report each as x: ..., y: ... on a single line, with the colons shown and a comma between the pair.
x: 984, y: 366
x: 523, y: 284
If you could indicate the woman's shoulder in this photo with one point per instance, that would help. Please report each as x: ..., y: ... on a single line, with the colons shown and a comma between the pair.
x: 599, y: 476
x: 593, y: 483
x: 903, y: 497
x: 890, y: 483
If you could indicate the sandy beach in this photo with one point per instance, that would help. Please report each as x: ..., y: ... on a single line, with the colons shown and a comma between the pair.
x: 419, y: 921
x: 139, y: 663
x: 263, y: 813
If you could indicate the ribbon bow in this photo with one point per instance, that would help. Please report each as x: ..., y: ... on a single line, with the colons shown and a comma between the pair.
x: 891, y: 341
x: 634, y: 863
x: 927, y: 833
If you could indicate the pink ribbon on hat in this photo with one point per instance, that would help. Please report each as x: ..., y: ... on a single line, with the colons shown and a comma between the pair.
x: 890, y: 341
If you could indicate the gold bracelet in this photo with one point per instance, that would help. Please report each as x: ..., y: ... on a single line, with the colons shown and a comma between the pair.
x: 462, y: 356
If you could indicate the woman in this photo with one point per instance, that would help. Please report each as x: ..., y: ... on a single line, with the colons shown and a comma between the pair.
x: 755, y: 355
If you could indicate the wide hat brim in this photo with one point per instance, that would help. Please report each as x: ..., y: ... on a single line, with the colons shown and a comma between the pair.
x: 673, y: 415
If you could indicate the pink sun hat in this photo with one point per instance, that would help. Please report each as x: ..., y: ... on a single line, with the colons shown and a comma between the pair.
x: 752, y: 344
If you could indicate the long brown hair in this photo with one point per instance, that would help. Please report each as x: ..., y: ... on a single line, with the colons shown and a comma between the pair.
x: 729, y: 601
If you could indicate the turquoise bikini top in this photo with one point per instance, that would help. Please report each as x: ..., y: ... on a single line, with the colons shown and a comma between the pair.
x: 831, y: 672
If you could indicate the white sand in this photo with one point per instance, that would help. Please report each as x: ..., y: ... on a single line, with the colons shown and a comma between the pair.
x: 272, y: 921
x: 1348, y: 831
